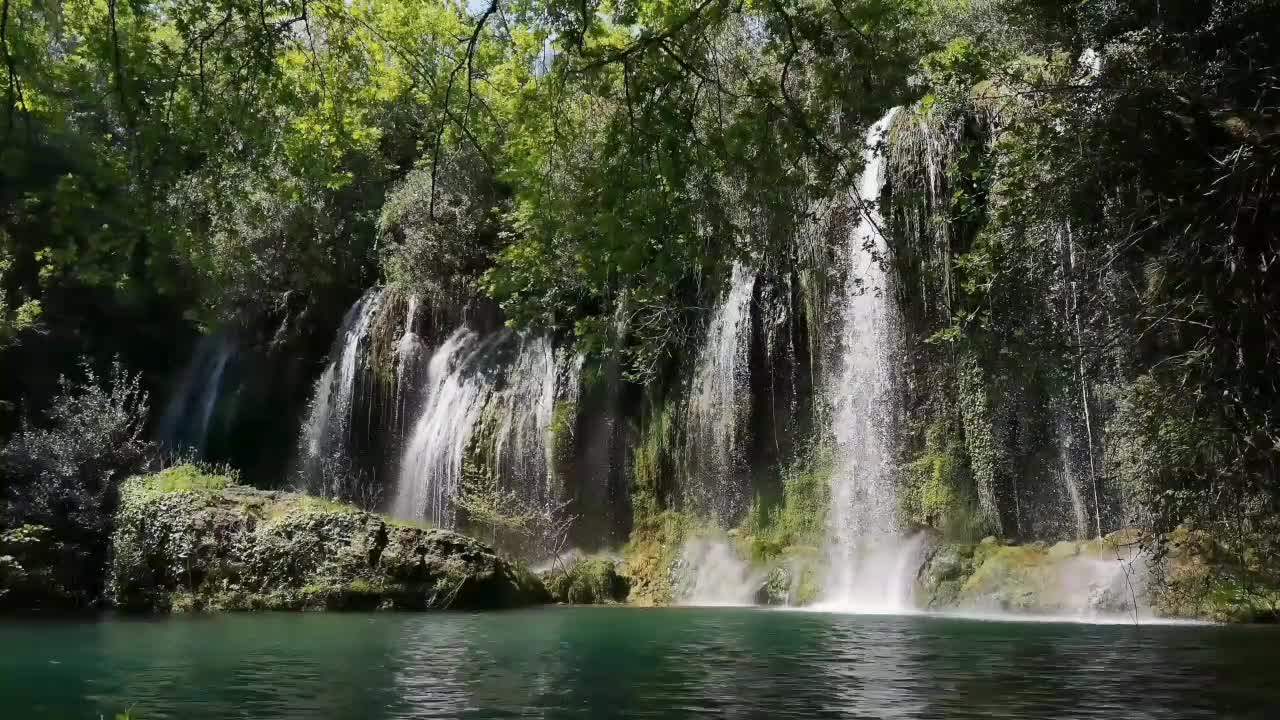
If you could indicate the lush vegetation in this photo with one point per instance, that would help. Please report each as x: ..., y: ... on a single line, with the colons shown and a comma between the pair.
x: 1080, y: 215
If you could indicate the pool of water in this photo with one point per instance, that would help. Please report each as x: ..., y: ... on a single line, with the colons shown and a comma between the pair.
x: 632, y: 663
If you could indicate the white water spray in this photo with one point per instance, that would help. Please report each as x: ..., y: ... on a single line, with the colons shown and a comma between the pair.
x: 711, y: 574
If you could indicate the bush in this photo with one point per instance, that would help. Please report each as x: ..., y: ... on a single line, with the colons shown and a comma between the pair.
x: 588, y: 582
x: 62, y: 473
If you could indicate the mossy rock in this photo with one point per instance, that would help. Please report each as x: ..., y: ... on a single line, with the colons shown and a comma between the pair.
x: 204, y: 544
x: 588, y: 582
x: 1201, y: 578
x: 652, y: 554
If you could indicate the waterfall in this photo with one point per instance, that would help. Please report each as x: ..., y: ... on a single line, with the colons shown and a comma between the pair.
x: 1070, y: 478
x: 867, y: 560
x: 410, y: 353
x: 490, y: 403
x: 188, y: 418
x: 432, y: 467
x: 718, y: 406
x: 710, y: 573
x: 326, y: 435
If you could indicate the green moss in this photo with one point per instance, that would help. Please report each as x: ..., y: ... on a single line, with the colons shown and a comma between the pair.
x: 651, y: 552
x: 563, y: 421
x: 310, y: 503
x: 937, y: 490
x: 1202, y: 577
x: 808, y: 587
x: 651, y: 463
x: 239, y: 548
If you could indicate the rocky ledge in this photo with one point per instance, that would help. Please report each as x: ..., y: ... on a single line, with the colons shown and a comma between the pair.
x: 185, y: 541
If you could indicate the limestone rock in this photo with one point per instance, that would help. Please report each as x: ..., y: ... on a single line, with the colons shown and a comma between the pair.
x: 236, y: 548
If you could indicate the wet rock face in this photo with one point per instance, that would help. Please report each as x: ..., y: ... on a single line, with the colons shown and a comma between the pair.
x: 776, y: 589
x: 236, y: 548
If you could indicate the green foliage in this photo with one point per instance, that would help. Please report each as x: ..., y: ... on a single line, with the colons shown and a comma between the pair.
x: 61, y: 470
x: 440, y: 232
x: 801, y: 518
x: 13, y: 320
x: 589, y: 581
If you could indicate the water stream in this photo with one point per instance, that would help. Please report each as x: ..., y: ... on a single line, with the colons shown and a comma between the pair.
x: 717, y: 480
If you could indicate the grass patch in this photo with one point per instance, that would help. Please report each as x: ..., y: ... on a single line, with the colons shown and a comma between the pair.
x: 189, y: 478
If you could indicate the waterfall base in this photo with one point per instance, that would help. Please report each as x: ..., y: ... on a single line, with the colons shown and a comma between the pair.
x: 879, y: 578
x: 710, y: 573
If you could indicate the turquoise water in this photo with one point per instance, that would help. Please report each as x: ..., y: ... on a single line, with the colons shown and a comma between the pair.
x: 632, y: 663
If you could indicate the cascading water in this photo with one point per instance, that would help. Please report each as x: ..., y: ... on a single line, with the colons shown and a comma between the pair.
x: 327, y: 432
x: 870, y: 566
x: 494, y: 394
x: 718, y: 404
x: 1067, y: 457
x: 410, y: 352
x: 188, y: 418
x: 431, y: 470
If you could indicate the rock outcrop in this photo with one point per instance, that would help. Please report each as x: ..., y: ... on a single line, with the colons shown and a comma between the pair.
x: 185, y: 541
x: 1094, y: 577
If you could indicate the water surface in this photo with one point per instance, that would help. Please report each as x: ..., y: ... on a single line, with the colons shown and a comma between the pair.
x: 631, y: 663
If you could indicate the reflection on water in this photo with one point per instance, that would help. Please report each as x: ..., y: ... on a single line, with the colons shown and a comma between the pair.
x: 634, y: 663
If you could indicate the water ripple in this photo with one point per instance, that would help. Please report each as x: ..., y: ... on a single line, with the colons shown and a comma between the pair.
x: 632, y: 663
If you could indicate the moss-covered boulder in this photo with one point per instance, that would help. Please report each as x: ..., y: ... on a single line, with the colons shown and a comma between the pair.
x: 1069, y: 577
x: 588, y: 582
x: 1183, y: 574
x: 187, y: 541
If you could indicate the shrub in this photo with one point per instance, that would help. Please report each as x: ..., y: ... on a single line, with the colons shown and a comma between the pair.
x: 62, y: 473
